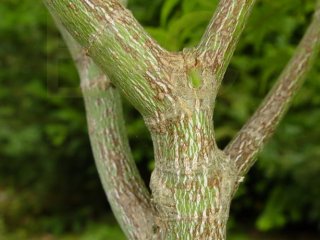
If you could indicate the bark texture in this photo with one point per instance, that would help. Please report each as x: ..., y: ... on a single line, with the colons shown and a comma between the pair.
x: 126, y: 192
x: 193, y: 181
x: 260, y: 127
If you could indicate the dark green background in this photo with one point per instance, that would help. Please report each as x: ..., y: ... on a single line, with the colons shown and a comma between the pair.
x: 49, y: 188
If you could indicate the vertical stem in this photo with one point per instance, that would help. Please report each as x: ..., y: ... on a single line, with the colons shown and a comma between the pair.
x: 193, y: 180
x: 127, y: 194
x: 223, y: 32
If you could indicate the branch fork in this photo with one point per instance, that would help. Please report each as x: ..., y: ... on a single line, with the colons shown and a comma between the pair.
x: 175, y: 93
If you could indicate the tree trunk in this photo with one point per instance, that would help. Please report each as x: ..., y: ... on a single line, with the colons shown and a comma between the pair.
x: 193, y: 181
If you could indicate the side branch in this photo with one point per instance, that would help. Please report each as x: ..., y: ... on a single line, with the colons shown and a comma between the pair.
x: 113, y: 38
x: 259, y: 128
x: 220, y: 39
x: 127, y: 194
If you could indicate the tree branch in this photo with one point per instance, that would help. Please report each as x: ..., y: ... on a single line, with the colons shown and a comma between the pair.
x: 127, y: 194
x: 113, y: 38
x: 252, y: 137
x: 220, y: 39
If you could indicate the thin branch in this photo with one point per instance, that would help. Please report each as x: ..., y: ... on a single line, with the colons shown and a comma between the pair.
x: 252, y: 137
x: 220, y: 39
x: 127, y: 194
x: 113, y: 38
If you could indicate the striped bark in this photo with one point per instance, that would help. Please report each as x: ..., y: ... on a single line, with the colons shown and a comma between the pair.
x: 193, y: 181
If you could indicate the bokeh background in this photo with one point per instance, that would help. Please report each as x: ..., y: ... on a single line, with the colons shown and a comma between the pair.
x: 49, y: 187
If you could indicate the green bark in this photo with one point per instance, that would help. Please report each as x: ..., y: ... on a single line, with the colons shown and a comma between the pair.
x: 193, y: 182
x: 260, y: 127
x: 126, y: 192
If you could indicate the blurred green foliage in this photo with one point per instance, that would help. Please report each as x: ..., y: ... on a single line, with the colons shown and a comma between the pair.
x: 48, y: 181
